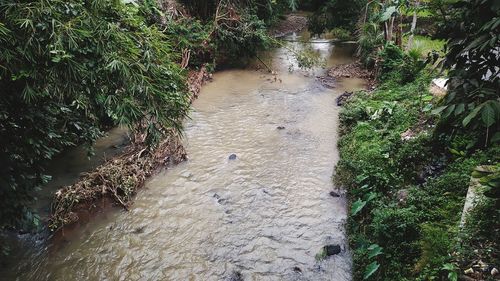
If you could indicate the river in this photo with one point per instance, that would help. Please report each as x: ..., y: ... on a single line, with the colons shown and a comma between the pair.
x: 265, y: 214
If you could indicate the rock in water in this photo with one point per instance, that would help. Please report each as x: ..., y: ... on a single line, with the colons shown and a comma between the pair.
x: 331, y: 250
x: 232, y: 157
x: 341, y: 100
x: 280, y: 127
x: 334, y: 194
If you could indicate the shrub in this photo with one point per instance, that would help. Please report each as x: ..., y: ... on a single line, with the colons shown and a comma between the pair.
x: 68, y: 70
x: 335, y: 13
x: 341, y: 33
x: 404, y: 67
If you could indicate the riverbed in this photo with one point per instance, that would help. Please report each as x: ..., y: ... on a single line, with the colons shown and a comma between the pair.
x: 264, y: 212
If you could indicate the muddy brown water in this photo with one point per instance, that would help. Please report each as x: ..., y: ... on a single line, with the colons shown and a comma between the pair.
x: 266, y: 214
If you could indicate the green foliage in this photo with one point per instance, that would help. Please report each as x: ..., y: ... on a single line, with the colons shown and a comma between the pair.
x: 228, y: 32
x: 424, y: 45
x: 341, y: 33
x: 191, y: 34
x: 452, y: 271
x: 482, y: 232
x: 72, y: 69
x: 239, y: 39
x: 267, y: 10
x: 371, y: 269
x: 435, y: 244
x: 472, y: 56
x: 69, y: 69
x: 405, y: 66
x: 489, y: 178
x: 419, y: 184
x: 442, y: 12
x: 370, y: 39
x: 335, y: 13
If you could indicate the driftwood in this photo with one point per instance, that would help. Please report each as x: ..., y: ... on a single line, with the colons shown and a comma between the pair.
x: 120, y: 177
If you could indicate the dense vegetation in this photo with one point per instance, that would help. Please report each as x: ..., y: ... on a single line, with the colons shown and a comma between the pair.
x: 406, y: 185
x: 69, y: 70
x: 407, y: 156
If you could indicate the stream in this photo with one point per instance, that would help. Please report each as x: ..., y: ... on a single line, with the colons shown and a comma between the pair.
x: 265, y: 214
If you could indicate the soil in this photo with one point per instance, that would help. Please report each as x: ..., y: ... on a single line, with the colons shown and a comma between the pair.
x: 292, y: 23
x: 349, y: 70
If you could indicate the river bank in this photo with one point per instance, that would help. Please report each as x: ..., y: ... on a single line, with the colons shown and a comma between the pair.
x: 119, y: 178
x: 265, y: 213
x: 407, y: 186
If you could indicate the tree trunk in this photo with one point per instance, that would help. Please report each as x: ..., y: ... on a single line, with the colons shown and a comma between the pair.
x: 413, y: 25
x: 385, y: 32
x: 390, y: 30
x: 399, y: 32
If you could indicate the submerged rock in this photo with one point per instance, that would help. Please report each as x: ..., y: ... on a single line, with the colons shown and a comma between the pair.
x: 232, y: 157
x: 139, y: 230
x: 234, y: 276
x: 330, y: 250
x: 297, y: 269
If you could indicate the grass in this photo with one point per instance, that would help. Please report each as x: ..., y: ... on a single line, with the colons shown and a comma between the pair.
x: 425, y: 45
x: 422, y: 13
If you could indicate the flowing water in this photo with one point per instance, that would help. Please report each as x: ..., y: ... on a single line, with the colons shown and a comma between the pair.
x: 265, y: 214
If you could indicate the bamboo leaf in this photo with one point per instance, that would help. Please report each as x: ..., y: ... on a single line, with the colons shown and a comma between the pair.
x: 370, y: 269
x: 357, y: 206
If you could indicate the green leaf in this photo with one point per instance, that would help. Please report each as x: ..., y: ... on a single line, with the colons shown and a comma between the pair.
x: 439, y: 109
x: 357, y: 206
x: 370, y: 269
x: 452, y: 274
x: 471, y: 116
x: 374, y: 250
x: 370, y: 196
x: 459, y: 109
x: 388, y: 13
x: 488, y: 115
x: 448, y: 111
x: 476, y: 42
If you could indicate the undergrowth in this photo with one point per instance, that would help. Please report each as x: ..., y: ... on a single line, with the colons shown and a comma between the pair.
x: 407, y: 184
